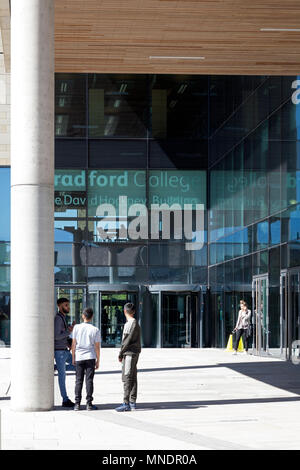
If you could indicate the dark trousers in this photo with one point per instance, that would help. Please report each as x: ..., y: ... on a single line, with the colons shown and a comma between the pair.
x: 86, y: 368
x: 129, y: 377
x: 238, y: 334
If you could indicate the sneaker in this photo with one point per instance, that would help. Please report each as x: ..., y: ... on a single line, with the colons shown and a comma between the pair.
x: 91, y: 407
x: 68, y: 403
x: 132, y: 405
x: 234, y: 353
x: 77, y: 407
x: 123, y: 407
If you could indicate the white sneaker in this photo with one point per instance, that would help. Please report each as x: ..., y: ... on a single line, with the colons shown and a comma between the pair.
x: 234, y: 353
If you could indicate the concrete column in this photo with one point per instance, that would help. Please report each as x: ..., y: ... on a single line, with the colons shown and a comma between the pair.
x: 32, y: 211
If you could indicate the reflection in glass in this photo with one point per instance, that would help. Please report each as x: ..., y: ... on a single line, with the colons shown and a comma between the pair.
x: 113, y: 318
x: 70, y: 105
x: 178, y: 320
x: 76, y: 298
x: 4, y: 253
x: 179, y: 106
x: 117, y: 105
x: 69, y: 230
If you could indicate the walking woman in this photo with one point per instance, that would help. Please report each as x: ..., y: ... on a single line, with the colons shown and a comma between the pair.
x: 242, y: 325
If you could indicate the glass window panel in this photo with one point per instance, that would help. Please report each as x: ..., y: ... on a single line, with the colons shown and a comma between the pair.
x: 290, y: 123
x: 179, y: 106
x: 117, y: 255
x: 178, y: 153
x: 294, y: 232
x: 4, y: 253
x: 69, y: 274
x: 291, y: 187
x: 70, y: 193
x: 70, y: 153
x: 76, y: 298
x: 176, y: 255
x: 178, y: 189
x: 212, y: 253
x: 285, y: 222
x: 276, y: 203
x: 117, y: 153
x: 263, y: 234
x: 119, y: 275
x: 275, y: 229
x: 118, y: 105
x: 106, y: 186
x: 4, y: 278
x: 294, y: 254
x: 70, y: 230
x: 69, y: 254
x: 70, y: 105
x: 169, y: 275
x: 199, y: 275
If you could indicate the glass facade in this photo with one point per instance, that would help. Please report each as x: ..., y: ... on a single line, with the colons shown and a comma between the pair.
x: 182, y: 193
x: 254, y: 210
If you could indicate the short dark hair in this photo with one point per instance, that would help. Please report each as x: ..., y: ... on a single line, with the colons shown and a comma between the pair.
x: 62, y: 300
x: 88, y: 313
x: 130, y: 308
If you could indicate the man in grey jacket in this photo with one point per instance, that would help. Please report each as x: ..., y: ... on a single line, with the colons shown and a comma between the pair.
x: 61, y: 348
x: 129, y: 355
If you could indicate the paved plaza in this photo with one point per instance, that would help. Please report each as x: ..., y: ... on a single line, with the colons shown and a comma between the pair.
x: 188, y: 399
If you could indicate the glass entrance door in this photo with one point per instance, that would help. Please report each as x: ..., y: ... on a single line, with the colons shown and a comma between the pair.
x: 260, y: 315
x: 293, y: 312
x: 109, y: 314
x: 289, y: 312
x: 283, y: 314
x: 179, y: 316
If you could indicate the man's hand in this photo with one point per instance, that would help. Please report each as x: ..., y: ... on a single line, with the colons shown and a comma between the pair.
x: 97, y: 364
x: 120, y: 359
x: 70, y: 327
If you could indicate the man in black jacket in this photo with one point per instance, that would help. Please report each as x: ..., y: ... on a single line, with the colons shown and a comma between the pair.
x: 129, y: 355
x: 61, y: 347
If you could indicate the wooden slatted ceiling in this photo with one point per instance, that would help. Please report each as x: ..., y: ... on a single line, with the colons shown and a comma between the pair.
x: 110, y: 36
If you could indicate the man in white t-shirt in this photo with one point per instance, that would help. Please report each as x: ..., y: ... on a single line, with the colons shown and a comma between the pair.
x: 86, y: 357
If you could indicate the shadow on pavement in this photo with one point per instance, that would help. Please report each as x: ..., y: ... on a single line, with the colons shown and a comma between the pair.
x: 279, y: 374
x: 187, y: 405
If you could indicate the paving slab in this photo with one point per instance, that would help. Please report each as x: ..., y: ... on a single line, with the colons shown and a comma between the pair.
x: 188, y: 399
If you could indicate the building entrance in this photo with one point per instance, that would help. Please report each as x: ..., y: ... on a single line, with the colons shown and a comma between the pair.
x: 260, y: 289
x: 289, y: 312
x: 170, y: 316
x: 109, y: 313
x: 179, y: 319
x: 176, y: 314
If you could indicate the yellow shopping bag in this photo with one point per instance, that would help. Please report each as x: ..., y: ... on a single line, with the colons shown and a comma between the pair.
x: 230, y: 346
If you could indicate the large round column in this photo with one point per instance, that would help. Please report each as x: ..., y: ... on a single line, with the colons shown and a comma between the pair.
x: 32, y: 177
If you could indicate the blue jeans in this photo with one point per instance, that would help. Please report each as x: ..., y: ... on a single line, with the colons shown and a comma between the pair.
x: 61, y: 358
